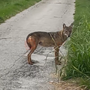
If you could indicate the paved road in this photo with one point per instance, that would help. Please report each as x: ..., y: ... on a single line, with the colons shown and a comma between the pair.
x: 15, y: 72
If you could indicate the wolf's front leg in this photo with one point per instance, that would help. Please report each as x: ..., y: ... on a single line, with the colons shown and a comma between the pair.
x: 57, y: 62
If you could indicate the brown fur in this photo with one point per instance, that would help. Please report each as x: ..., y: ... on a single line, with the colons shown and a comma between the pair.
x: 48, y: 39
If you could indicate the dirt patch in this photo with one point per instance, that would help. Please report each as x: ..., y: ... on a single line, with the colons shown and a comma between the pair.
x: 70, y: 84
x: 64, y: 85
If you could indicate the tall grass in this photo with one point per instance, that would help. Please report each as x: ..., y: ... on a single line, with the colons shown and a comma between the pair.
x: 79, y: 52
x: 9, y: 8
x: 78, y: 64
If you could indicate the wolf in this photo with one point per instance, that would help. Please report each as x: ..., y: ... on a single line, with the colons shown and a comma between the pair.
x: 48, y: 39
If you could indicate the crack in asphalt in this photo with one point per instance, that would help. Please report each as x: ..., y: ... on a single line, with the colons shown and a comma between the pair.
x: 5, y: 74
x: 65, y: 3
x: 4, y: 38
x: 25, y: 71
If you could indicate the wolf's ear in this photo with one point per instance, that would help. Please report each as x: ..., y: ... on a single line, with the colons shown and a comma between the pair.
x: 64, y: 25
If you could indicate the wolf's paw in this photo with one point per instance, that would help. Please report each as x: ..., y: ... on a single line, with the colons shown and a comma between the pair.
x: 58, y: 62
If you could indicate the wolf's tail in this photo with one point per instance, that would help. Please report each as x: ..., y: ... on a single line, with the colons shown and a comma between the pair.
x: 27, y: 46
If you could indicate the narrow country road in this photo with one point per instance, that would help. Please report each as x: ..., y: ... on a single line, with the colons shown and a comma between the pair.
x: 15, y: 72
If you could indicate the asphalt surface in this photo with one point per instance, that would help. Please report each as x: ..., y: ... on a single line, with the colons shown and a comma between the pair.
x: 15, y: 72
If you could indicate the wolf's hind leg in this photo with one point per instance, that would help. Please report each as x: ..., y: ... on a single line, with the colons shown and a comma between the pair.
x: 32, y: 43
x: 30, y: 53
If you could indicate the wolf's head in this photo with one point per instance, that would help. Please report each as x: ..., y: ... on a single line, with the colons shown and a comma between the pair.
x: 67, y: 30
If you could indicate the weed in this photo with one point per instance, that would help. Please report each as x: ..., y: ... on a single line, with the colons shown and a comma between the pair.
x: 78, y: 64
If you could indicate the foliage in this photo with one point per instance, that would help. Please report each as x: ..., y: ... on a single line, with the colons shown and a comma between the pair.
x: 9, y: 8
x: 78, y: 64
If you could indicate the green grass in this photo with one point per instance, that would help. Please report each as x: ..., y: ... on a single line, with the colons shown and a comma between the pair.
x: 78, y: 64
x: 9, y: 8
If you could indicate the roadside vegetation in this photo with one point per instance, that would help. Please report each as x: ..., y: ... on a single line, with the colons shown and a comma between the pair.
x: 78, y: 58
x: 9, y: 8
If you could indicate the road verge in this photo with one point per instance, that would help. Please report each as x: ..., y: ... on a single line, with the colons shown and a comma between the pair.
x: 9, y: 8
x: 79, y: 45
